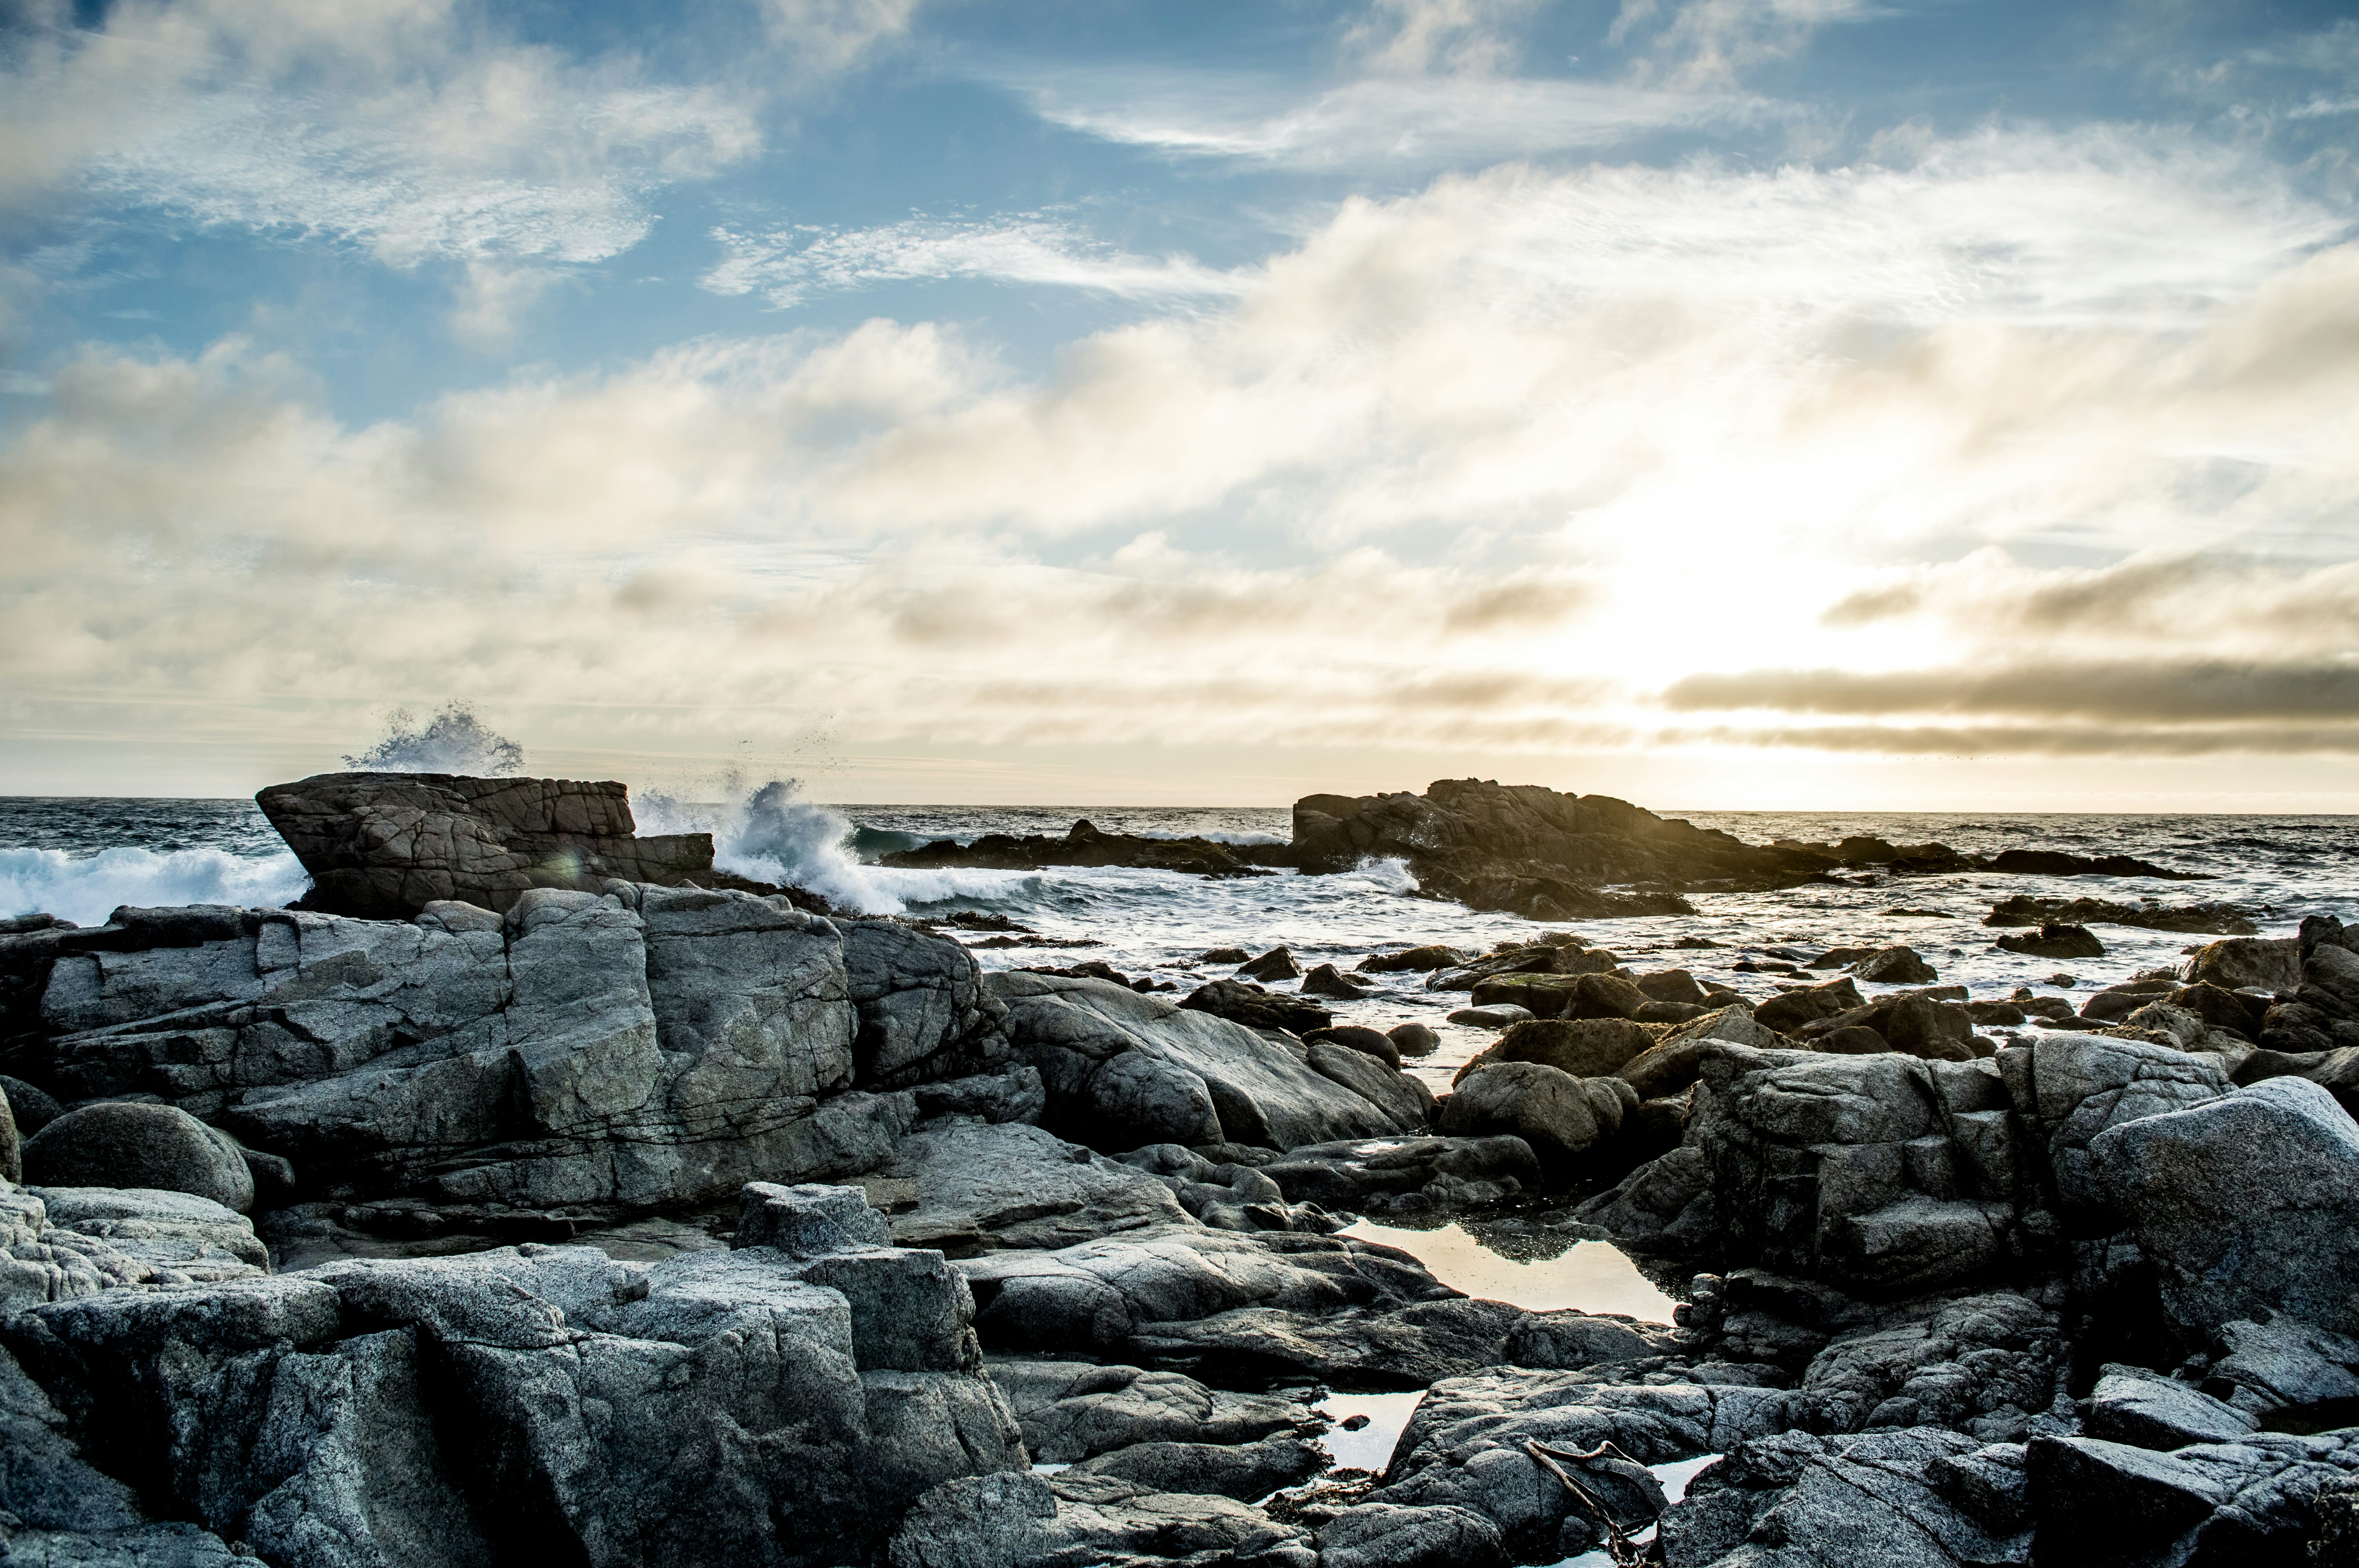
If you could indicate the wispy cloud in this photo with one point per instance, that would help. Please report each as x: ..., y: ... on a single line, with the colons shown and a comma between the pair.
x: 1409, y: 121
x: 788, y: 265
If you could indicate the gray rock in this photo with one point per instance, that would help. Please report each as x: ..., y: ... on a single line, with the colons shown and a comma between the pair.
x: 1078, y: 1521
x: 2247, y: 1206
x: 1401, y: 1097
x: 1225, y: 1194
x: 1895, y: 966
x: 803, y: 1221
x: 12, y: 1161
x: 1351, y: 1036
x: 132, y: 1145
x: 1241, y: 1001
x: 982, y: 1186
x: 2143, y: 1408
x: 1071, y: 1411
x: 1418, y: 961
x: 1247, y: 1472
x: 2266, y: 1366
x: 1982, y: 1364
x: 1278, y: 964
x: 1664, y: 1202
x: 1326, y: 980
x: 1122, y: 1069
x: 2262, y: 963
x: 384, y: 846
x: 162, y: 1228
x: 1016, y: 1094
x: 1097, y: 1295
x: 1561, y: 1116
x: 1406, y: 1176
x: 924, y: 1012
x: 2100, y: 1501
x: 1390, y: 1347
x: 1387, y: 1535
x: 31, y: 1109
x: 2070, y: 1089
x: 1584, y: 1048
x: 1883, y: 1499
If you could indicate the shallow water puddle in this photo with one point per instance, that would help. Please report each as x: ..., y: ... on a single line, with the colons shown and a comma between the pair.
x: 1592, y: 1276
x: 1371, y: 1448
x: 1674, y: 1475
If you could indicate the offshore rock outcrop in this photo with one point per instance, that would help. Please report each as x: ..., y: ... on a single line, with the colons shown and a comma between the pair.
x: 383, y: 846
x: 1081, y: 844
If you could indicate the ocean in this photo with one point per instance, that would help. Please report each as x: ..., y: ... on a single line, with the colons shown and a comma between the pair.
x: 79, y: 859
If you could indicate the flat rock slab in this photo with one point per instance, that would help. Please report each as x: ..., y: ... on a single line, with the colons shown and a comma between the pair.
x: 985, y: 1187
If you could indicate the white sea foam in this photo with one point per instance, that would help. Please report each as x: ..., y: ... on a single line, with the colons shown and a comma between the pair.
x: 1384, y: 875
x: 85, y: 889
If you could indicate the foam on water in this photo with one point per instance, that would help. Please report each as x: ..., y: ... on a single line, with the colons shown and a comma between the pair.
x: 85, y: 889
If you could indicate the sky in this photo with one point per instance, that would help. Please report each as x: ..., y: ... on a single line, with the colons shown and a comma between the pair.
x: 1722, y: 403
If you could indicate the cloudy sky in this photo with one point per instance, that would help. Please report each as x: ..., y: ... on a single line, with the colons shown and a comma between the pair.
x: 1911, y: 403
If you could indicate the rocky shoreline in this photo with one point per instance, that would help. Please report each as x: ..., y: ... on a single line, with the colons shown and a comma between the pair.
x: 548, y: 1197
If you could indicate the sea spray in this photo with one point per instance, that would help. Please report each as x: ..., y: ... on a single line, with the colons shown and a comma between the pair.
x: 85, y: 889
x: 453, y: 741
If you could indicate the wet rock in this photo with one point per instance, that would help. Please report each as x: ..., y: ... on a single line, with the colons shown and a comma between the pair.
x: 2247, y: 1206
x: 2269, y: 964
x: 1415, y: 960
x: 1561, y: 1117
x: 1895, y: 966
x: 1072, y: 1411
x: 1367, y: 1042
x: 1407, y: 1175
x: 1222, y: 956
x: 1246, y: 1471
x: 1853, y: 1040
x: 1413, y: 1039
x: 1585, y: 1048
x: 1241, y: 1002
x: 2055, y: 941
x: 1788, y: 1011
x: 1326, y: 980
x: 1497, y: 1017
x: 983, y: 1186
x: 2115, y: 1003
x: 136, y: 1145
x: 1673, y: 1063
x: 2057, y: 863
x: 1664, y: 1203
x: 1081, y: 845
x: 1122, y: 1070
x: 1674, y: 986
x: 1278, y: 964
x: 2220, y: 919
x: 1225, y: 1195
x: 2144, y: 1409
x: 2224, y: 1010
x: 1387, y: 1535
x: 1082, y: 1522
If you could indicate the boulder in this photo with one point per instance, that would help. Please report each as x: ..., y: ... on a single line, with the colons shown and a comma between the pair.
x: 2247, y: 1206
x: 1080, y: 1521
x: 1226, y: 1194
x: 2258, y: 963
x: 1072, y: 1411
x: 1895, y: 966
x: 1387, y: 1535
x: 1586, y: 1048
x: 2068, y: 1089
x: 1240, y: 1001
x: 1367, y: 1042
x: 1016, y: 1094
x: 1122, y: 1069
x: 983, y: 1186
x: 175, y: 1232
x: 1561, y: 1116
x: 383, y: 845
x: 922, y: 1009
x: 2098, y: 1501
x: 1247, y: 1472
x: 1788, y: 1011
x: 1853, y: 1040
x: 1278, y: 964
x: 1495, y: 1017
x: 2144, y: 1409
x: 2055, y: 941
x: 1672, y: 985
x: 30, y: 1109
x: 1325, y: 980
x: 1672, y: 1063
x: 1407, y: 1175
x: 1083, y: 844
x: 1222, y: 956
x: 1413, y: 1039
x: 134, y: 1145
x: 1414, y: 960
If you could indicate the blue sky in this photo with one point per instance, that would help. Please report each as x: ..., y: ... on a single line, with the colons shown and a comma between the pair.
x: 1724, y: 402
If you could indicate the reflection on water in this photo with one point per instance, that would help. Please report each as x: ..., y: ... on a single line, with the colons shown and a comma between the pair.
x: 1592, y: 1276
x: 1674, y: 1475
x: 1371, y: 1448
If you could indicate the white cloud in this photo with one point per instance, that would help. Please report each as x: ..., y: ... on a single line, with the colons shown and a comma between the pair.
x: 393, y: 126
x: 1414, y: 36
x: 1487, y: 466
x: 1383, y: 122
x: 788, y: 265
x: 1712, y: 44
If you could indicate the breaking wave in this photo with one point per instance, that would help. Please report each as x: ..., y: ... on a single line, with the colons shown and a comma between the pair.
x: 453, y: 741
x: 85, y: 889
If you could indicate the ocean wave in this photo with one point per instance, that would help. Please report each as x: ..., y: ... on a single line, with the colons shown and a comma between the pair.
x: 86, y: 889
x: 1384, y: 875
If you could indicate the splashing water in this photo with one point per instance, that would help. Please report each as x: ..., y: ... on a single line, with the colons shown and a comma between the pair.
x: 453, y: 741
x: 85, y: 889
